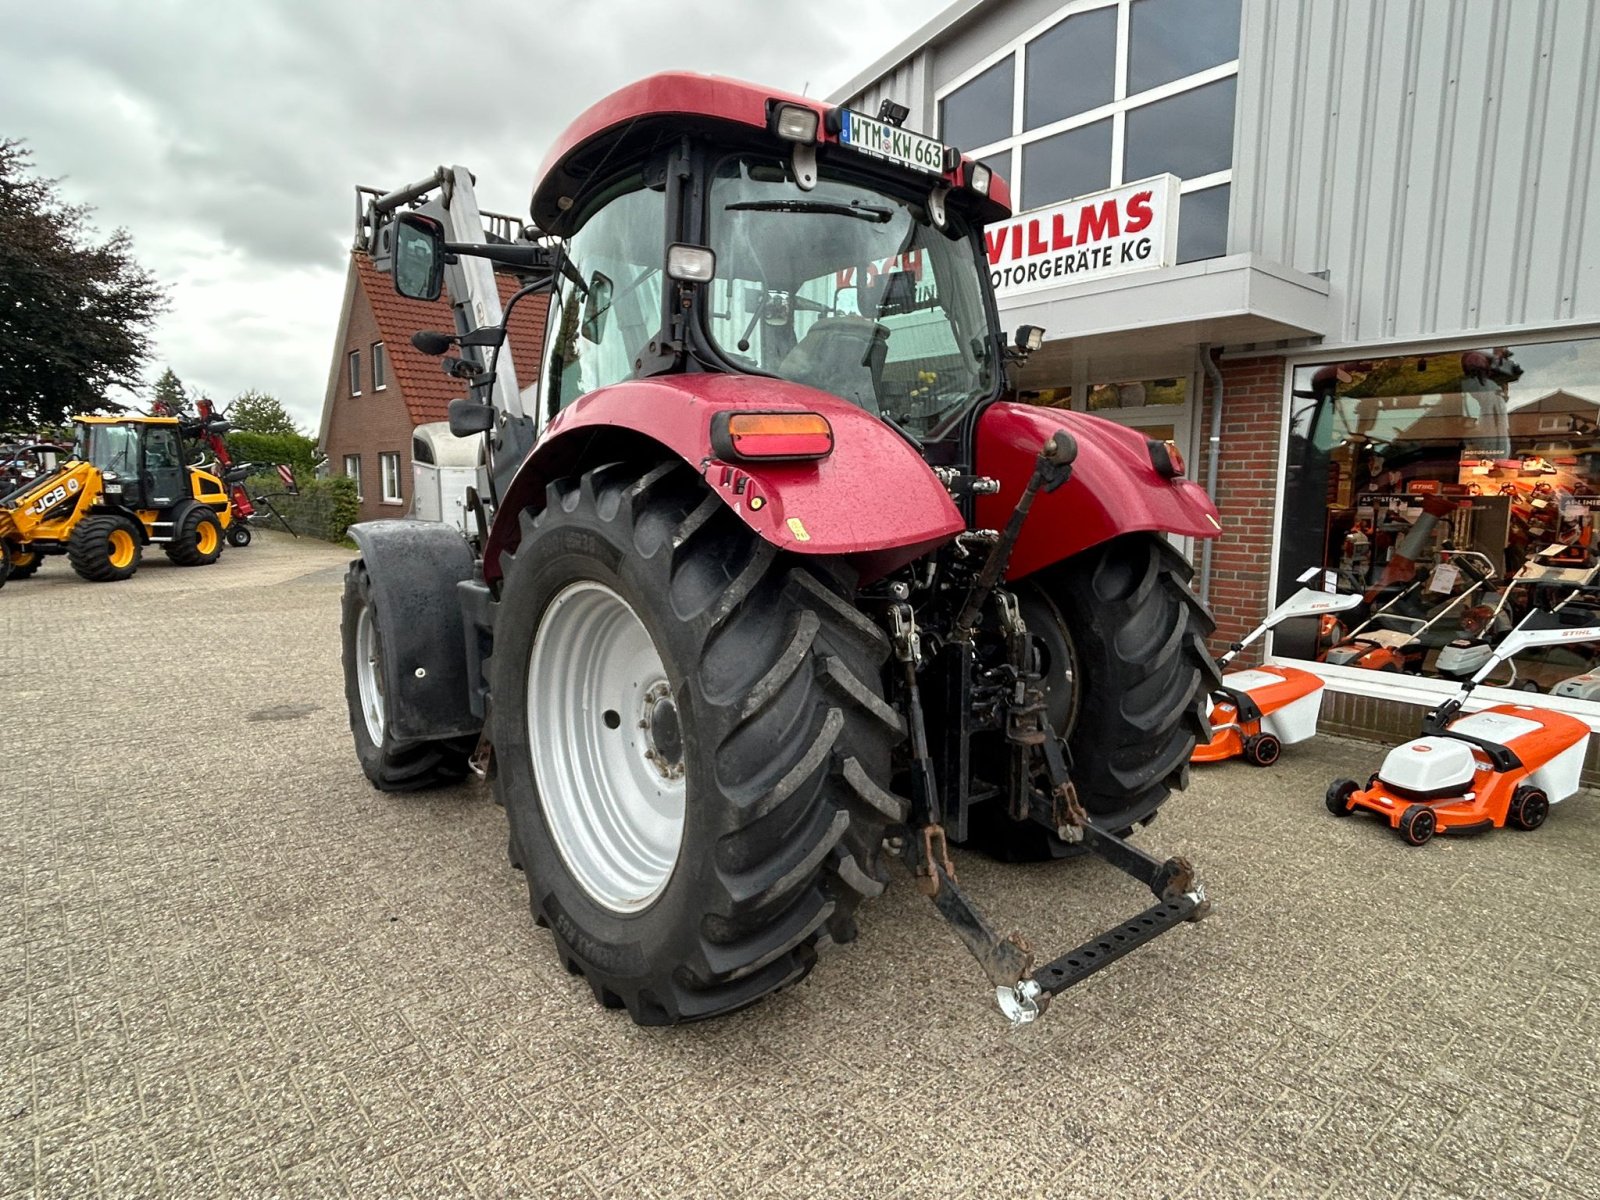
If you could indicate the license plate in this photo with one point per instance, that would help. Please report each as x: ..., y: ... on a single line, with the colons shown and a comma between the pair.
x: 890, y: 143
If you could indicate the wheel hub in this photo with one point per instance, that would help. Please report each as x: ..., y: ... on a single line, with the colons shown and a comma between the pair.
x: 663, y: 735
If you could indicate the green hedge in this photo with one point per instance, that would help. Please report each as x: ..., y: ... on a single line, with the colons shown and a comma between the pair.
x: 297, y: 450
x: 325, y: 508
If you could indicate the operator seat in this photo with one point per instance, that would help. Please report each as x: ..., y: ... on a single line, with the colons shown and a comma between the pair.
x: 843, y: 356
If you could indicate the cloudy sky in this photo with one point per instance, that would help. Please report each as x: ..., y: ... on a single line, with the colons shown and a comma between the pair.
x: 228, y: 137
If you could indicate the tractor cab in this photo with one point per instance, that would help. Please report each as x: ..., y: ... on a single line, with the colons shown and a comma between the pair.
x: 140, y: 459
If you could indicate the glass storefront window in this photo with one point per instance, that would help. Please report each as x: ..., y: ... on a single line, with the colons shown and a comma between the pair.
x: 1168, y: 39
x: 1000, y: 164
x: 1203, y: 224
x: 1136, y: 394
x: 1071, y: 68
x: 1455, y: 490
x: 1069, y: 164
x: 1190, y: 134
x: 979, y: 112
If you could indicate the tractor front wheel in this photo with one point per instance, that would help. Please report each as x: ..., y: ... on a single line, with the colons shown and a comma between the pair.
x: 105, y: 548
x: 1121, y: 641
x: 691, y: 742
x: 197, y: 540
x: 390, y: 764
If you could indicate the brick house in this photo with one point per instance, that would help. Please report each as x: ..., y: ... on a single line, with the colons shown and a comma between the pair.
x: 380, y: 387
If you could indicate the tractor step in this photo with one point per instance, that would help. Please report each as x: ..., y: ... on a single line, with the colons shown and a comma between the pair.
x: 1022, y: 992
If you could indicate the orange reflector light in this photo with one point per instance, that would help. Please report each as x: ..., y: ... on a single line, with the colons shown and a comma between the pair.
x: 736, y: 435
x: 1166, y: 458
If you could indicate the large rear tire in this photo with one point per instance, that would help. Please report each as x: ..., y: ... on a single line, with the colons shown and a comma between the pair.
x: 105, y: 548
x: 197, y: 540
x: 1123, y: 644
x: 390, y: 764
x: 24, y: 563
x: 691, y: 744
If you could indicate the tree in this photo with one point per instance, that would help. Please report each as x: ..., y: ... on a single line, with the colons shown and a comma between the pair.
x: 169, y: 393
x: 75, y: 312
x: 257, y: 412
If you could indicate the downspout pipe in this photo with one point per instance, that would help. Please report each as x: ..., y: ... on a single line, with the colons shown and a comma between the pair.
x: 1214, y: 452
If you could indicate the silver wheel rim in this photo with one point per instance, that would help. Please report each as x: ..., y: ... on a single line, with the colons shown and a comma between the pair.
x: 369, y: 674
x: 607, y: 747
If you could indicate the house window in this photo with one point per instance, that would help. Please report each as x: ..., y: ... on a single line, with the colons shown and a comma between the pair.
x: 389, y: 464
x: 1111, y: 92
x: 380, y: 367
x: 352, y: 470
x: 355, y: 372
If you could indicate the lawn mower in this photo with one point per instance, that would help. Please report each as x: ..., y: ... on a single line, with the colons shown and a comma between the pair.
x: 1402, y: 650
x: 1504, y: 765
x: 1256, y: 712
x: 1483, y: 625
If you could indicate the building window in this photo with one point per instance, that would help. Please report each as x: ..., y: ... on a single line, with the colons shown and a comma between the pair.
x: 380, y: 367
x: 355, y: 372
x: 1071, y: 68
x: 979, y: 112
x: 389, y: 464
x: 1429, y: 481
x: 1115, y: 91
x: 352, y: 470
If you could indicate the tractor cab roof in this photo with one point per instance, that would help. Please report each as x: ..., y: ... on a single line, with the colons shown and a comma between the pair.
x: 134, y: 419
x: 642, y: 115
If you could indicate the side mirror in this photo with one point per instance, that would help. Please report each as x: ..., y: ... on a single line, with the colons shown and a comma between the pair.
x: 469, y: 417
x: 418, y: 256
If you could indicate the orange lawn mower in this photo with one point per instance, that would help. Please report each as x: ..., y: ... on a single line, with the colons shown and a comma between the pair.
x: 1255, y: 713
x: 1504, y: 765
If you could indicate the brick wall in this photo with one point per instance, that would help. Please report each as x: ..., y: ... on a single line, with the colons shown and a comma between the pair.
x: 1247, y: 466
x: 369, y: 424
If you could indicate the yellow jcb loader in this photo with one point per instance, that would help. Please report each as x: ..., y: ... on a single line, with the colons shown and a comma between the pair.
x: 125, y: 486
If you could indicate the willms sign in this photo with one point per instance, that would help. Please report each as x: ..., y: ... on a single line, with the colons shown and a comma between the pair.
x: 1129, y: 228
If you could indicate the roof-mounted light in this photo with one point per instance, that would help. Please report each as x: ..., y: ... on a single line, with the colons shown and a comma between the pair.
x: 691, y: 264
x: 795, y: 123
x: 979, y: 177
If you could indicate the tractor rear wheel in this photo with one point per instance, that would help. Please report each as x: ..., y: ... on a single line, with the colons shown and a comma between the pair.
x: 1122, y: 643
x: 104, y: 548
x: 197, y: 540
x: 390, y: 764
x: 691, y: 744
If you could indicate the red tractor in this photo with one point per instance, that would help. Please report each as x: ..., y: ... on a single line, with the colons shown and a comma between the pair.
x: 771, y: 578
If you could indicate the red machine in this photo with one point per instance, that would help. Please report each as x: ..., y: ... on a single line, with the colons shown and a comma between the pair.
x: 769, y: 565
x: 1255, y: 713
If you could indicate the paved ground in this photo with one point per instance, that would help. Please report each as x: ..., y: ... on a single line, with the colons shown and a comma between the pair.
x: 228, y: 965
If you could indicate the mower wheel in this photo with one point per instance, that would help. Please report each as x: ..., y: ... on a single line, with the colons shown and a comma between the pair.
x: 1263, y: 749
x: 1372, y: 780
x: 1338, y: 796
x: 1417, y: 824
x: 198, y: 540
x: 105, y: 548
x: 691, y: 743
x: 239, y: 534
x: 1529, y: 807
x: 390, y: 764
x: 1121, y: 639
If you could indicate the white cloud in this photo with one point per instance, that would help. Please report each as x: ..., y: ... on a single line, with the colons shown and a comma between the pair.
x: 227, y: 138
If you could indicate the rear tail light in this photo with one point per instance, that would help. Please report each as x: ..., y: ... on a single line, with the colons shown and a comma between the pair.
x: 745, y: 435
x: 1167, y: 459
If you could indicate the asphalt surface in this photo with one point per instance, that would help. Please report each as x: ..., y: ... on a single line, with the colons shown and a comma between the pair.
x: 227, y: 965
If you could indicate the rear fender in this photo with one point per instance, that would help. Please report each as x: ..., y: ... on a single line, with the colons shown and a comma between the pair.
x: 414, y: 567
x: 873, y: 501
x: 1115, y: 487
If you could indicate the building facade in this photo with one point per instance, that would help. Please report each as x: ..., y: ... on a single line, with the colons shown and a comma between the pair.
x: 1368, y: 298
x: 381, y: 388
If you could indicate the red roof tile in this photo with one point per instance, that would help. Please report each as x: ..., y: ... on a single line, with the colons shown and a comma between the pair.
x: 424, y: 386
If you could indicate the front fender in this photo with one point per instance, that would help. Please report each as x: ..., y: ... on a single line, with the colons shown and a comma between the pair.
x: 872, y: 501
x: 1114, y: 489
